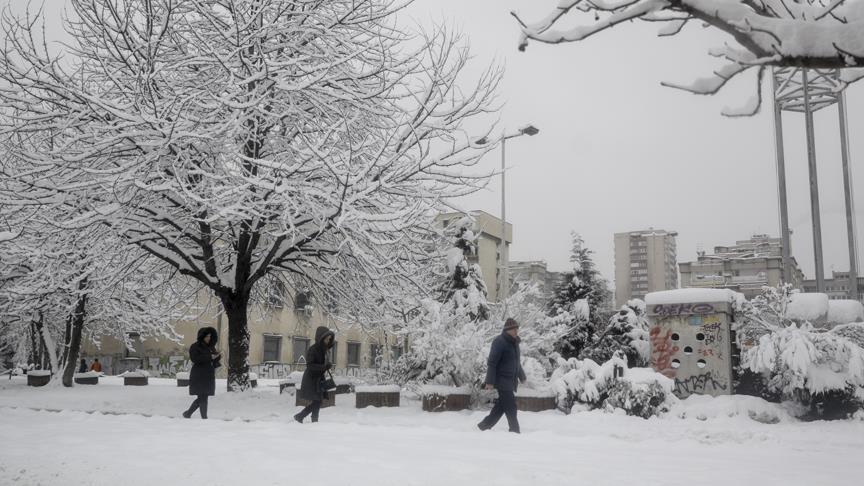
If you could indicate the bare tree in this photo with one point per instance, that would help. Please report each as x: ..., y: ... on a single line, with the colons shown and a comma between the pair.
x: 826, y: 34
x: 235, y: 140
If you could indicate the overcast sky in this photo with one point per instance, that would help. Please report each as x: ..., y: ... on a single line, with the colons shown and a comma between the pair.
x: 618, y: 152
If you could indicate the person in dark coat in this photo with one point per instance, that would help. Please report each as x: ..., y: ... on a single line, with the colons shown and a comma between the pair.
x: 505, y: 368
x: 311, y: 388
x: 205, y: 359
x: 82, y: 368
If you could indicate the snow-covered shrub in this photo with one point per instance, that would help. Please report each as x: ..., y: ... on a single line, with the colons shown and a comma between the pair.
x: 627, y: 332
x: 638, y: 391
x: 819, y: 368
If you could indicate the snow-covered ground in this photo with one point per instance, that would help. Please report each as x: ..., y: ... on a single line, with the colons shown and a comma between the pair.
x: 110, y: 434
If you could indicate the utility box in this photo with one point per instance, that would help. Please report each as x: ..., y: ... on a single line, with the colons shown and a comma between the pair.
x: 691, y: 339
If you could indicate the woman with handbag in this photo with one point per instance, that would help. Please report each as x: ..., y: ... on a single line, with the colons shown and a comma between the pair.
x: 205, y: 359
x: 313, y: 387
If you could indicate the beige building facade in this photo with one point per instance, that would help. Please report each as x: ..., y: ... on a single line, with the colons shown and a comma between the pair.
x: 744, y: 267
x: 278, y: 339
x: 645, y: 261
x: 492, y: 258
x: 535, y: 273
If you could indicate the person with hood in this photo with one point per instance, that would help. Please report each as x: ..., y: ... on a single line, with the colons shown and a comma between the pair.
x: 82, y: 368
x: 205, y: 359
x: 312, y: 385
x: 504, y: 369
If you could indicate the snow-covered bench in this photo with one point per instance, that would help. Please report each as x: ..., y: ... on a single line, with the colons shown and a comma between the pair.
x: 88, y: 378
x: 38, y: 377
x: 438, y: 398
x: 528, y: 400
x: 377, y: 396
x: 136, y: 378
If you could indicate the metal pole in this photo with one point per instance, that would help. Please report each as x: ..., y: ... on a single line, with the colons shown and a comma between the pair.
x: 850, y: 204
x: 781, y: 185
x: 814, y: 187
x: 503, y: 288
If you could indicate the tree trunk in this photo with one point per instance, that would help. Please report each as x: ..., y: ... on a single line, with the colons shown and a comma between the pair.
x: 236, y: 308
x: 76, y: 331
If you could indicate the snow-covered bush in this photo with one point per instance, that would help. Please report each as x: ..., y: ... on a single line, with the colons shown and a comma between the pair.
x: 627, y: 333
x: 822, y: 369
x: 638, y: 391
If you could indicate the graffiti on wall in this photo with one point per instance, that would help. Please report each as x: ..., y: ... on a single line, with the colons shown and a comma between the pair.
x: 169, y: 366
x: 704, y: 383
x: 662, y: 350
x: 679, y: 309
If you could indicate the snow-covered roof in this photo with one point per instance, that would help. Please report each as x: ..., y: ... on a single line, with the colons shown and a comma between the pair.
x: 692, y: 296
x: 807, y: 307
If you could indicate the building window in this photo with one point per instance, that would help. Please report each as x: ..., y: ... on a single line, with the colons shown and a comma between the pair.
x: 353, y: 354
x: 395, y: 353
x: 299, y: 345
x: 302, y: 301
x: 331, y: 353
x: 272, y: 348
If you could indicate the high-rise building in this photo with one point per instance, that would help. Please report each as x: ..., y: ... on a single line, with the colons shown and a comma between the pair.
x: 487, y: 229
x: 745, y: 267
x: 645, y: 261
x: 536, y: 273
x: 837, y: 287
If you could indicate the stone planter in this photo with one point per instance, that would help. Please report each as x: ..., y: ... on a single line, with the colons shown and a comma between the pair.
x: 87, y: 380
x: 342, y: 389
x: 286, y: 385
x: 329, y: 402
x: 135, y: 381
x: 535, y: 404
x: 183, y: 378
x: 441, y: 400
x: 377, y: 396
x: 38, y: 379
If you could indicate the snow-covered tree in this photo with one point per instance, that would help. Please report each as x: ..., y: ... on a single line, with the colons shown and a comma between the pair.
x: 450, y: 328
x: 581, y: 300
x: 238, y: 139
x: 70, y: 285
x: 820, y: 368
x: 798, y: 33
x: 627, y: 333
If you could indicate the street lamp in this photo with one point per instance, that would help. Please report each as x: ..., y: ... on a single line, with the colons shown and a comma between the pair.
x: 529, y: 130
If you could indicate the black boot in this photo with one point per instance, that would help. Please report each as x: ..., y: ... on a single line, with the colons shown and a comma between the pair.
x: 298, y: 418
x: 483, y: 426
x: 187, y: 414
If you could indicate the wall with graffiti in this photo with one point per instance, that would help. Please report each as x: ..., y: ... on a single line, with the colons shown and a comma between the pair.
x: 691, y: 343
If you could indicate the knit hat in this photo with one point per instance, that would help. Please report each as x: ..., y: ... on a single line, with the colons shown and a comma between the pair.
x: 510, y: 323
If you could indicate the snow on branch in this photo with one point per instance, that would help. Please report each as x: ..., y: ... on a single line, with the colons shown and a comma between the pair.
x: 809, y: 34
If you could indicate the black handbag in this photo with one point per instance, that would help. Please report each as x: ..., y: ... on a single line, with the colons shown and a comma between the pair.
x: 328, y: 384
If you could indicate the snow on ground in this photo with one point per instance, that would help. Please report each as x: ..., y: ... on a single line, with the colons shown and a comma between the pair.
x: 136, y: 438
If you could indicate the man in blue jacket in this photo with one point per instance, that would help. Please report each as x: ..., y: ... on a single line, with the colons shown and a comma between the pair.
x: 504, y: 369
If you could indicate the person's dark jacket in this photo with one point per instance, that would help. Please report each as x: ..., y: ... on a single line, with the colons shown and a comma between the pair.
x: 504, y: 363
x: 82, y: 368
x: 202, y: 376
x: 316, y: 366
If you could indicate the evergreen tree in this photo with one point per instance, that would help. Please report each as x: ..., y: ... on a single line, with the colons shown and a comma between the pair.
x: 626, y: 333
x: 581, y: 299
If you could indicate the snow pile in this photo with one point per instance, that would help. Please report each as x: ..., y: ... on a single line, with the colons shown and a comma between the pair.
x: 640, y: 391
x: 183, y: 375
x: 807, y: 307
x: 530, y: 392
x: 706, y: 407
x: 253, y: 376
x: 845, y: 311
x: 39, y: 372
x: 378, y: 389
x: 692, y: 296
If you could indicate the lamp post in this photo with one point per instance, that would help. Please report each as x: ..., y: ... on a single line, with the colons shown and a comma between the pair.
x: 529, y: 130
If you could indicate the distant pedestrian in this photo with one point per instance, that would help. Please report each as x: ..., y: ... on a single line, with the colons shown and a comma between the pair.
x: 96, y: 366
x: 312, y: 386
x: 205, y: 359
x: 82, y: 368
x: 504, y: 369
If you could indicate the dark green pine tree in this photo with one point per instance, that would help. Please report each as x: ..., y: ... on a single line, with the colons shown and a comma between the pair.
x: 464, y: 286
x: 583, y: 283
